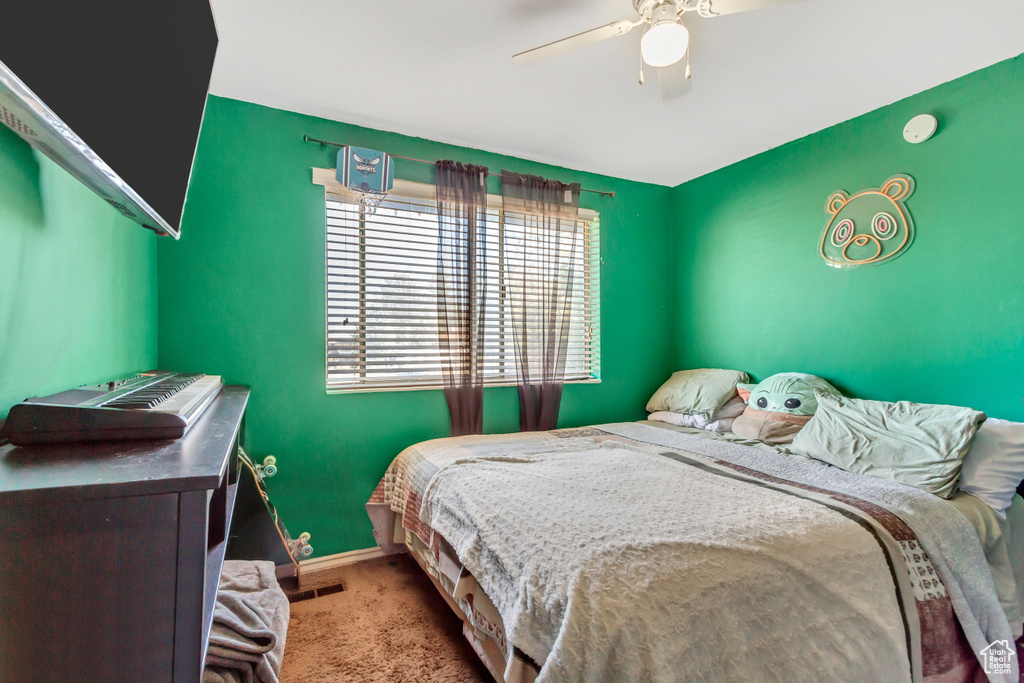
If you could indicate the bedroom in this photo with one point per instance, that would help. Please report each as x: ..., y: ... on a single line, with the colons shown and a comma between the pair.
x: 708, y: 250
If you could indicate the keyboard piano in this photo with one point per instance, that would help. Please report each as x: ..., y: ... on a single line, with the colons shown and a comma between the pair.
x: 152, y: 405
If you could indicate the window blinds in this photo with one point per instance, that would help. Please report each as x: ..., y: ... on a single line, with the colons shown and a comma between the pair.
x: 382, y: 295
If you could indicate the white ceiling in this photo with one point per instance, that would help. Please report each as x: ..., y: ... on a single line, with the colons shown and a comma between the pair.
x: 442, y: 70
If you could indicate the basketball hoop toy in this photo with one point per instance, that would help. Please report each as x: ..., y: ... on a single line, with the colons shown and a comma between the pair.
x: 367, y: 174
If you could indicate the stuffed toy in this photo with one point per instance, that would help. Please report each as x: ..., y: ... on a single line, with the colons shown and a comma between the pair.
x: 779, y: 407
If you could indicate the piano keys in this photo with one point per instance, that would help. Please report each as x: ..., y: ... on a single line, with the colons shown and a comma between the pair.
x: 151, y: 405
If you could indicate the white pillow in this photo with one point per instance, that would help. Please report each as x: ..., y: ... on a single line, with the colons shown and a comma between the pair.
x: 693, y: 421
x: 994, y: 465
x: 720, y: 422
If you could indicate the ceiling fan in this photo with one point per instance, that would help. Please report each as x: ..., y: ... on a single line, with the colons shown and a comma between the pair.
x: 665, y: 44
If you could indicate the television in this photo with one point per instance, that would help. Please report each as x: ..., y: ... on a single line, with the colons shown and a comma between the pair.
x: 113, y: 92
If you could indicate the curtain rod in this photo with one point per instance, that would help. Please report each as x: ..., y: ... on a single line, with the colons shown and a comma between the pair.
x: 306, y: 138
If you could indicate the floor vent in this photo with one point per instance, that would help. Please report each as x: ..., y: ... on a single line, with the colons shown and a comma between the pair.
x: 330, y: 590
x: 315, y: 593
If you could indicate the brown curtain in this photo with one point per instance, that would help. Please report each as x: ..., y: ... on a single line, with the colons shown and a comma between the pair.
x: 540, y: 233
x: 461, y: 289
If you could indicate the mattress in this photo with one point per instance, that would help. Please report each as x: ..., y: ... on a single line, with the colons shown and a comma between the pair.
x: 920, y: 637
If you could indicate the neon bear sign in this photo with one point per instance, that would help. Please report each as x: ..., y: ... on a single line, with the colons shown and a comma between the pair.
x: 871, y: 227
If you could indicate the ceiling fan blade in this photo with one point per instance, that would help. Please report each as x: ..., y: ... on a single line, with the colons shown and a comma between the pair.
x: 673, y: 80
x: 714, y: 8
x: 559, y: 47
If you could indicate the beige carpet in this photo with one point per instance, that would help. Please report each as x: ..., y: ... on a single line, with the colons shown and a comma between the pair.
x: 389, y: 624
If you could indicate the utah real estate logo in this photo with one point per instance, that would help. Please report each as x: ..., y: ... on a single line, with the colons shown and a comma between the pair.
x: 996, y: 657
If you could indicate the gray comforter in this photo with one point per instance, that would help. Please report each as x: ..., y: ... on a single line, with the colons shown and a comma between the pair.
x: 629, y: 552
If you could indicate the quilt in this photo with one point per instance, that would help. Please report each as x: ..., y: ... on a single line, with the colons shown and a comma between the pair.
x: 629, y: 552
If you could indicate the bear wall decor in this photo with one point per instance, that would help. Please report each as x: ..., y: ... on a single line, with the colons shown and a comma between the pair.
x: 871, y: 227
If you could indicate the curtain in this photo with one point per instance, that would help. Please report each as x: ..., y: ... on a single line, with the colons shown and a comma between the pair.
x: 539, y: 237
x: 461, y: 289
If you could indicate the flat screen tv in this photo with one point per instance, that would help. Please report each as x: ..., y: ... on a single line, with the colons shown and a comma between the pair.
x: 114, y: 92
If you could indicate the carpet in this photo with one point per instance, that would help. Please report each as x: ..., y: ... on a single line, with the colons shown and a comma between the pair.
x: 389, y: 624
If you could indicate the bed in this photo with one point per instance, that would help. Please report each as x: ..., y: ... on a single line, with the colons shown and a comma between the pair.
x: 645, y: 551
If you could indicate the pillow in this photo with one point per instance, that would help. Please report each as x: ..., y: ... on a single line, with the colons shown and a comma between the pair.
x: 717, y: 426
x: 916, y: 444
x: 786, y: 392
x: 732, y: 408
x: 779, y: 406
x: 994, y: 465
x: 700, y: 392
x: 770, y: 427
x: 721, y: 422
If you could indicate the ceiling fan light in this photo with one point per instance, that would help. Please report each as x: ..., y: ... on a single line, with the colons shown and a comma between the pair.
x: 664, y: 43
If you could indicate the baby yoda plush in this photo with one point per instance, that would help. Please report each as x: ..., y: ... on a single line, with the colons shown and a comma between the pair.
x: 779, y: 407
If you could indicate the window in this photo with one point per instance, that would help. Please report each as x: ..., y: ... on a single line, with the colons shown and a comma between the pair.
x: 382, y: 293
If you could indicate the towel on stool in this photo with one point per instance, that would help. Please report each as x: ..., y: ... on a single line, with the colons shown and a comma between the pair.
x: 249, y: 625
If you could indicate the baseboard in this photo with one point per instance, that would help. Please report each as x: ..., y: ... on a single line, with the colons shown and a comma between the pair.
x: 319, y: 564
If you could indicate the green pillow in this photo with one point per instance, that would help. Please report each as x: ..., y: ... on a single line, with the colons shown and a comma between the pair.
x: 696, y: 392
x: 917, y: 444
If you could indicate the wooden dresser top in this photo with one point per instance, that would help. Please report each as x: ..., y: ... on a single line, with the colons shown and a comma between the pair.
x: 197, y: 461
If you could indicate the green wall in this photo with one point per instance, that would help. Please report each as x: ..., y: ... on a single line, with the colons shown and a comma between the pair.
x: 943, y: 323
x: 242, y: 295
x: 721, y: 271
x: 77, y: 281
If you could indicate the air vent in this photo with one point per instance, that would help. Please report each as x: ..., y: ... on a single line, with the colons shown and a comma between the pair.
x: 315, y: 593
x: 14, y: 123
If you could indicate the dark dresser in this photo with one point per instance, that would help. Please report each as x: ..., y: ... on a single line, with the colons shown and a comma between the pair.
x: 110, y: 553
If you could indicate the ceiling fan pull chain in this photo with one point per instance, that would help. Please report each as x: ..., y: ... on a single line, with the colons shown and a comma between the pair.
x: 641, y: 79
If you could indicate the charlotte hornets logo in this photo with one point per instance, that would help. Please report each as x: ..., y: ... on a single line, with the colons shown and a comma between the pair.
x: 366, y: 166
x: 365, y: 170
